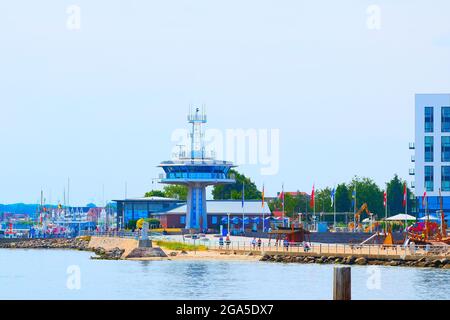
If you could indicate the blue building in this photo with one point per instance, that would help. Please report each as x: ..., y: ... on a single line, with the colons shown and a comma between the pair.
x: 197, y: 171
x: 432, y: 153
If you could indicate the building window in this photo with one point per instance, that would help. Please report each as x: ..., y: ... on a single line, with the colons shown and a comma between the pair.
x: 428, y: 119
x: 445, y: 149
x: 429, y: 178
x: 214, y: 219
x: 183, y: 219
x: 445, y: 119
x: 429, y: 149
x: 445, y: 178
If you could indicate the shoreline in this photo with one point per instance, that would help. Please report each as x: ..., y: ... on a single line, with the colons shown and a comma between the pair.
x: 116, y: 252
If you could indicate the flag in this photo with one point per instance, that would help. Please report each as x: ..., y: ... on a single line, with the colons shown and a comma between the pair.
x: 312, y: 198
x: 353, y: 197
x: 385, y: 198
x: 424, y: 198
x: 332, y: 196
x: 243, y: 194
x: 404, y: 195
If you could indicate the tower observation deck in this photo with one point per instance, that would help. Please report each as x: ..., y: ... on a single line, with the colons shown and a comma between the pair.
x: 196, y: 171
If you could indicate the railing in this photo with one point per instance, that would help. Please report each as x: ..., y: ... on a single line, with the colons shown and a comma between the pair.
x: 325, y: 248
x: 118, y: 234
x: 294, y: 248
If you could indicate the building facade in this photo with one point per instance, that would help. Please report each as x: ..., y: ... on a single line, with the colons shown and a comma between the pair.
x: 218, y: 211
x: 432, y: 152
x: 135, y: 209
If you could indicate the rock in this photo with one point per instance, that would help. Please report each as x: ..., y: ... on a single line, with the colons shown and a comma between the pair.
x: 183, y: 252
x: 173, y: 254
x: 250, y: 254
x: 148, y: 253
x: 447, y: 266
x: 436, y: 263
x: 361, y: 261
x: 393, y: 263
x: 265, y: 258
x: 445, y: 261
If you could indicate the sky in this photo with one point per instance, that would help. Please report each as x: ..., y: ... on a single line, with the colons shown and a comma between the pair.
x: 99, y: 101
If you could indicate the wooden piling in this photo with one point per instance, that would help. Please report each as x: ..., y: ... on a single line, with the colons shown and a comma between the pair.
x: 342, y: 283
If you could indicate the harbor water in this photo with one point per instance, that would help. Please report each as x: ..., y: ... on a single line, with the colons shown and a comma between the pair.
x: 51, y: 274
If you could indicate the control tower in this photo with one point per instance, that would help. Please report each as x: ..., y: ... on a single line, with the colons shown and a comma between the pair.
x: 197, y: 171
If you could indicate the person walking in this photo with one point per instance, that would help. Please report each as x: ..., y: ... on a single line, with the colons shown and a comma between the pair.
x: 254, y: 243
x: 228, y: 242
x: 259, y: 243
x: 286, y: 244
x: 221, y: 243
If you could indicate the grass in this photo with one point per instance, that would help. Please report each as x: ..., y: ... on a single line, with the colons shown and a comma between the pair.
x: 180, y: 246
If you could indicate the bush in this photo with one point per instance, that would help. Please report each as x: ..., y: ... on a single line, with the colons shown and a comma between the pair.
x: 180, y: 246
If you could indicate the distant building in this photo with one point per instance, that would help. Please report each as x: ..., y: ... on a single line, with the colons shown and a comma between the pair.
x: 217, y: 215
x: 172, y: 212
x: 432, y: 151
x: 135, y: 209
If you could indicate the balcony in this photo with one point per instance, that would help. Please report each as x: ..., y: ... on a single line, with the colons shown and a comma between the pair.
x: 412, y: 171
x: 413, y: 184
x: 413, y: 158
x: 412, y: 146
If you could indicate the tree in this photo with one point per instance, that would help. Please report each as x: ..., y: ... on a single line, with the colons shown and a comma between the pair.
x: 234, y: 191
x: 323, y: 200
x: 155, y: 193
x: 343, y: 200
x: 367, y: 191
x: 395, y: 196
x: 170, y: 191
x: 176, y: 191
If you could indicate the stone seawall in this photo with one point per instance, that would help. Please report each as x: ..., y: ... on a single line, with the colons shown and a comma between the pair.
x: 78, y: 243
x: 423, y: 262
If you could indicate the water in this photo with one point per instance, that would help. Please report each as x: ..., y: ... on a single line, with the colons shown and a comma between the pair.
x: 42, y: 274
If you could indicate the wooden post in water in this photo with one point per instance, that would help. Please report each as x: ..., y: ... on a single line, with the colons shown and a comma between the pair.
x: 342, y: 283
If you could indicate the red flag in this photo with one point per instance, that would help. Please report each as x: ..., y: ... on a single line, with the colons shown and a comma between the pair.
x: 385, y: 198
x: 312, y: 198
x: 404, y: 195
x: 424, y: 198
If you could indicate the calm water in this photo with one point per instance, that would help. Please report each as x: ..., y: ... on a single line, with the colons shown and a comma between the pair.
x: 42, y: 274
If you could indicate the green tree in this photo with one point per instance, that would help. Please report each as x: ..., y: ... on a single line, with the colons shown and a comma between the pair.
x: 323, y: 200
x: 234, y: 191
x: 176, y: 191
x: 367, y: 191
x: 395, y: 196
x: 343, y: 198
x: 155, y: 193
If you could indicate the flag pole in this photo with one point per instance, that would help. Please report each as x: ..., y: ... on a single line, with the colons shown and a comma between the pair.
x: 334, y: 206
x: 282, y: 192
x: 243, y: 210
x: 262, y: 209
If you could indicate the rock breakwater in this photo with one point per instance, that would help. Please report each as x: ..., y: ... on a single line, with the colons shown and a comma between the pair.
x: 424, y: 262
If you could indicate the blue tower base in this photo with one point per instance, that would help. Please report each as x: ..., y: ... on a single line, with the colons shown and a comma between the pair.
x: 196, y: 215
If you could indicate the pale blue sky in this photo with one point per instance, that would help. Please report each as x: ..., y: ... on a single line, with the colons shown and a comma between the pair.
x: 99, y: 105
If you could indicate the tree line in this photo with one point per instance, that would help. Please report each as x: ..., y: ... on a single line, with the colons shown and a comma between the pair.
x: 367, y: 191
